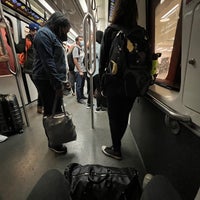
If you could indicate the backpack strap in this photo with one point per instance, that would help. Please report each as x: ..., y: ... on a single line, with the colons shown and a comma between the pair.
x: 79, y: 51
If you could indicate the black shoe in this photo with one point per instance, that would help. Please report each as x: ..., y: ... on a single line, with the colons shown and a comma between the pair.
x: 109, y: 151
x: 81, y: 101
x: 103, y: 108
x: 83, y: 97
x: 98, y: 108
x: 88, y: 106
x: 60, y: 149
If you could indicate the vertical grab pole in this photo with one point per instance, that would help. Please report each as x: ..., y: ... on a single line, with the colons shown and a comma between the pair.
x: 90, y: 66
x: 15, y: 62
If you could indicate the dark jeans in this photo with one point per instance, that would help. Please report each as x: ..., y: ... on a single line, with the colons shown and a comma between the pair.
x: 96, y: 85
x: 80, y: 82
x: 101, y: 101
x: 48, y: 95
x: 119, y: 108
x: 71, y: 77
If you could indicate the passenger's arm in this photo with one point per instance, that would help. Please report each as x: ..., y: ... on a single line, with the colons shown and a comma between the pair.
x: 44, y: 46
x: 77, y: 66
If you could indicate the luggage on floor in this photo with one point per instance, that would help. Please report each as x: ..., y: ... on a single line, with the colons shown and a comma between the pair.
x: 97, y: 182
x: 11, y: 121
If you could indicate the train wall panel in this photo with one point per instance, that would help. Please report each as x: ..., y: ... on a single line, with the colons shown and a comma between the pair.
x: 175, y: 156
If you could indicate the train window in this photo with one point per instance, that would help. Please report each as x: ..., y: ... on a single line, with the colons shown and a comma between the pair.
x: 166, y: 25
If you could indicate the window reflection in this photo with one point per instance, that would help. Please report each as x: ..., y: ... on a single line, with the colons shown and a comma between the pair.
x: 167, y: 14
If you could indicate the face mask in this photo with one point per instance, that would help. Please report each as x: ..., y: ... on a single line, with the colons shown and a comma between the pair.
x: 81, y: 43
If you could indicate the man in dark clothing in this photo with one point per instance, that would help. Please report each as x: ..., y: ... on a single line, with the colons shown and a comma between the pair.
x: 49, y: 71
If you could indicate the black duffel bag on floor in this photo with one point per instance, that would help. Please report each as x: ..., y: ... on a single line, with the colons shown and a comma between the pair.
x: 97, y: 182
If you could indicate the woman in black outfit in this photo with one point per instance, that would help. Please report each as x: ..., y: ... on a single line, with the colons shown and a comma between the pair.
x: 125, y: 16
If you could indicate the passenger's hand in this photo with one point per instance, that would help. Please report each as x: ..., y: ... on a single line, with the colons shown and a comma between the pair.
x: 67, y: 86
x: 81, y: 73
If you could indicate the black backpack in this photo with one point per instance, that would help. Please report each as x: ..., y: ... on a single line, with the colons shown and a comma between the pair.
x: 130, y: 60
x: 71, y: 60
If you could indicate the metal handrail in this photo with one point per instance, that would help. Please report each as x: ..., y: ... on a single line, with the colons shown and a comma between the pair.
x: 16, y: 63
x: 169, y: 111
x: 91, y: 65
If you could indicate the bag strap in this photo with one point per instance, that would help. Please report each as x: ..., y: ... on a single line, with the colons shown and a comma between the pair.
x: 54, y: 107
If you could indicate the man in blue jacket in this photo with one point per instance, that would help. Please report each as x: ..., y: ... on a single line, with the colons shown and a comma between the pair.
x: 49, y: 71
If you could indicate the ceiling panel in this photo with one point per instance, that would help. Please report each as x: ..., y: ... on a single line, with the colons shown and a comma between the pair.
x: 74, y: 12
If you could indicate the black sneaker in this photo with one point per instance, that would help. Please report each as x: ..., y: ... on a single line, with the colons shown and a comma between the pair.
x: 98, y: 108
x: 109, y: 151
x: 83, y: 97
x: 60, y: 149
x: 81, y: 101
x: 103, y: 108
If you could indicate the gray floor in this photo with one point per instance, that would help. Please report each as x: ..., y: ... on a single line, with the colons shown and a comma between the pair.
x: 25, y: 157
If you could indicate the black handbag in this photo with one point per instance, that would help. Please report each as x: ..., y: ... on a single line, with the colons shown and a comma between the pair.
x: 97, y: 182
x: 59, y: 128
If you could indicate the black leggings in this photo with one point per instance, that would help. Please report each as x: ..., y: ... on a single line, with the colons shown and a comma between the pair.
x: 119, y: 108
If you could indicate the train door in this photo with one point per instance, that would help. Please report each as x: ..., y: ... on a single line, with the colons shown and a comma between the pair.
x: 191, y: 92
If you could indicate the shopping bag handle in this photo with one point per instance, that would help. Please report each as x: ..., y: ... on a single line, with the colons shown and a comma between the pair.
x: 54, y: 106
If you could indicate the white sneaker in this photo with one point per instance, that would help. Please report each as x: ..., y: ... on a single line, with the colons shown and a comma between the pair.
x: 146, y: 180
x: 3, y: 138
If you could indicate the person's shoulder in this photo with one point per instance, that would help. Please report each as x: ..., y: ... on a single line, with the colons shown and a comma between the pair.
x: 44, y: 31
x: 109, y: 29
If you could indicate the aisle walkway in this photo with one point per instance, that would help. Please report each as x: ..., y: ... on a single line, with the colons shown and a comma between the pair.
x: 25, y: 157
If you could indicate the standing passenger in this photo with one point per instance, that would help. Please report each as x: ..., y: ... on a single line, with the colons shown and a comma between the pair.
x: 125, y: 16
x: 96, y: 81
x: 25, y: 47
x: 49, y: 70
x: 71, y: 73
x: 80, y: 70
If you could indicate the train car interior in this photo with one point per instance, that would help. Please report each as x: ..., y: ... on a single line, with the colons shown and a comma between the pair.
x: 163, y: 133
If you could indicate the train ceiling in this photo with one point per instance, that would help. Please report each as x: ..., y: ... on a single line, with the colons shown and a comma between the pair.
x: 71, y: 8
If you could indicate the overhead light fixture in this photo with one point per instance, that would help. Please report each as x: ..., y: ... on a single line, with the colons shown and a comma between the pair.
x: 164, y: 19
x: 47, y: 6
x: 83, y: 6
x: 162, y: 1
x: 73, y: 32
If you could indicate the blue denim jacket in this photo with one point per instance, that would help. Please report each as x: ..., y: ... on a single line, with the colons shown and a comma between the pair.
x: 49, y: 62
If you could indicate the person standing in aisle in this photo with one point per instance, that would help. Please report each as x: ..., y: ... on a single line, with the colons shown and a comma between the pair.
x: 96, y: 80
x: 119, y: 105
x: 49, y: 71
x: 80, y: 70
x: 26, y: 56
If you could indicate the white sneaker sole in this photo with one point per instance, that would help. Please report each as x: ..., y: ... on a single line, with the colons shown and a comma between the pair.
x: 110, y: 155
